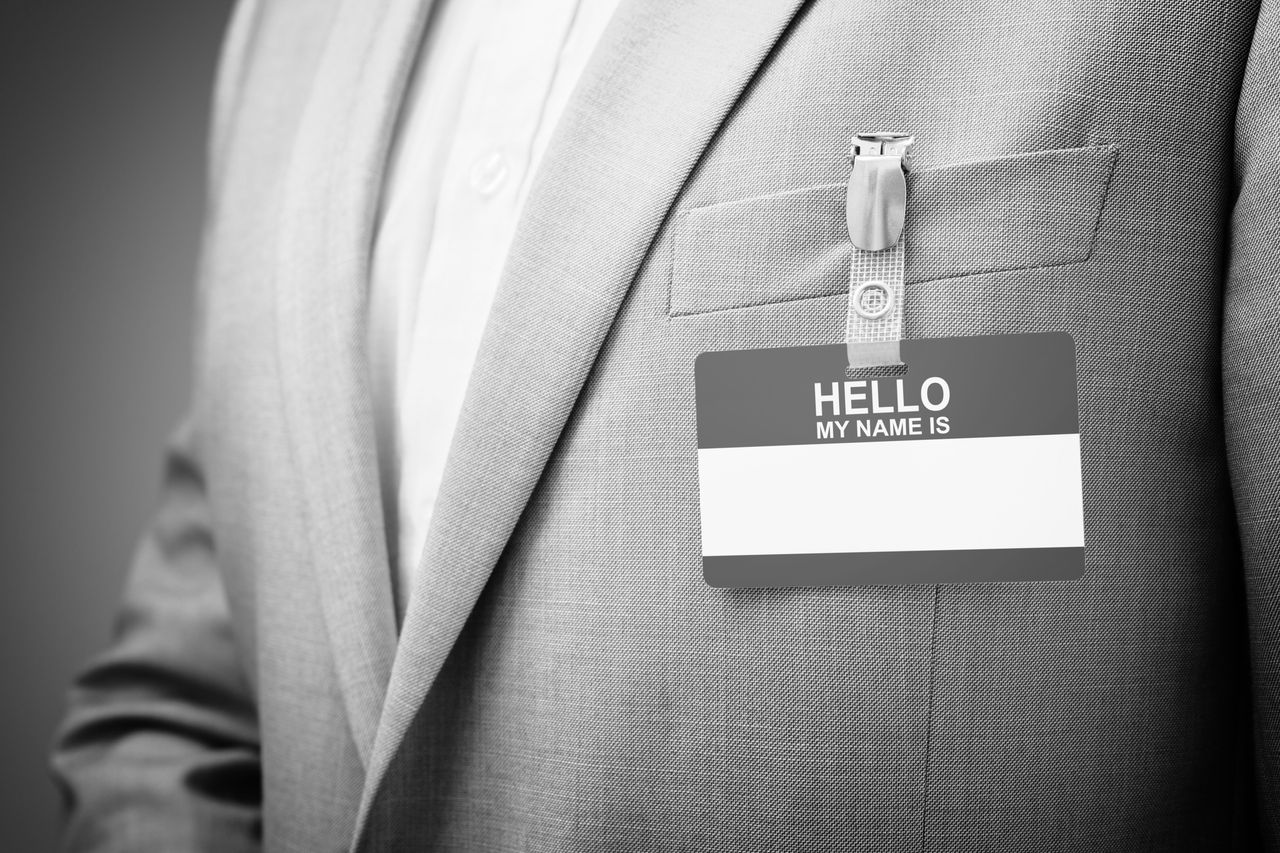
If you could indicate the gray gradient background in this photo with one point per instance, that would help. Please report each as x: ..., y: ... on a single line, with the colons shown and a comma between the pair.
x: 104, y: 109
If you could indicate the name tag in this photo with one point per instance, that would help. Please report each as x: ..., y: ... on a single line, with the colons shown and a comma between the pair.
x: 964, y: 468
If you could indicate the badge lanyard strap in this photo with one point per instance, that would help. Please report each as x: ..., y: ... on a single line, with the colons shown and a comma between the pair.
x: 873, y: 325
x: 876, y: 214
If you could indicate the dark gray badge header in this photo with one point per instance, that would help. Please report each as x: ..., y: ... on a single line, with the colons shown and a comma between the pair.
x: 967, y: 387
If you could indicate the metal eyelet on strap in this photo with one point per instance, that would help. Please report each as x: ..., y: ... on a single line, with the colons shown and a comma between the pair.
x: 872, y: 299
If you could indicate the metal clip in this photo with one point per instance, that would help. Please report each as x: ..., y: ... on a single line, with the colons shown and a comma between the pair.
x: 876, y: 202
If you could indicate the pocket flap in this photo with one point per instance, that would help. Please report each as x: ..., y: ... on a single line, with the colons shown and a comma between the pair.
x: 1018, y: 212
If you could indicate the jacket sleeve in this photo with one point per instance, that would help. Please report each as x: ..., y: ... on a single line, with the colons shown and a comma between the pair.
x: 159, y: 749
x: 1251, y: 392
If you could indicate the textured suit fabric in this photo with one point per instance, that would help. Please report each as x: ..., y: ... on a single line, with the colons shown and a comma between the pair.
x: 564, y: 680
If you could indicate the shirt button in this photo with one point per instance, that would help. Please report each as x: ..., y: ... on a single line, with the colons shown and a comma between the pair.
x: 489, y: 173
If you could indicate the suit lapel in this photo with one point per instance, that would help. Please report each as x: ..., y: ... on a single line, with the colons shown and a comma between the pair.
x: 659, y: 85
x: 322, y: 275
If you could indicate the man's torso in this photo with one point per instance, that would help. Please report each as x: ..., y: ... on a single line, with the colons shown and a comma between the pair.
x: 600, y: 695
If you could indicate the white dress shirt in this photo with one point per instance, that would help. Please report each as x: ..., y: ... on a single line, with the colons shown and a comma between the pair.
x: 492, y: 79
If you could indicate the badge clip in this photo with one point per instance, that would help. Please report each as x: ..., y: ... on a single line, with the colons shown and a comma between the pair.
x: 876, y: 211
x: 877, y: 195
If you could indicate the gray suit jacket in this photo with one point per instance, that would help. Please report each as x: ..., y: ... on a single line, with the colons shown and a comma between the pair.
x: 565, y: 680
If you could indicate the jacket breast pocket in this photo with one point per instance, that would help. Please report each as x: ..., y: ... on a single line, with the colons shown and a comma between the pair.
x: 1010, y: 213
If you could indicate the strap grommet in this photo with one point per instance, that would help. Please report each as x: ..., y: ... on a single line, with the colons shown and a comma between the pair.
x: 872, y: 299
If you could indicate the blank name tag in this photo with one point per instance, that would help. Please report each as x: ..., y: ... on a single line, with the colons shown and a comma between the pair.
x: 965, y: 468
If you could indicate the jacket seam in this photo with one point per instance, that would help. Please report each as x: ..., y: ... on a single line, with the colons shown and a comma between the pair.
x: 928, y: 732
